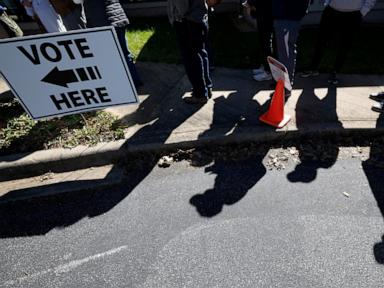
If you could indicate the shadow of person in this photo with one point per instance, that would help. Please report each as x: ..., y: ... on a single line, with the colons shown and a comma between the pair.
x: 378, y: 251
x: 374, y: 169
x: 236, y: 174
x: 234, y: 179
x: 309, y: 111
x: 39, y: 216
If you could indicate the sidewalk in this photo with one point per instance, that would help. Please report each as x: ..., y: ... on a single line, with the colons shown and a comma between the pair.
x: 163, y: 121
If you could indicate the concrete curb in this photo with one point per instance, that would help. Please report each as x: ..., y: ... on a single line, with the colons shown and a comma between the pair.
x: 62, y: 160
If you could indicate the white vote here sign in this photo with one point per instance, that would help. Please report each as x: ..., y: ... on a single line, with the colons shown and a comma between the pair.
x: 67, y: 73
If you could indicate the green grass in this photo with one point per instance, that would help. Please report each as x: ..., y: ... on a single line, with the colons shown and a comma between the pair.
x: 22, y: 134
x: 153, y: 39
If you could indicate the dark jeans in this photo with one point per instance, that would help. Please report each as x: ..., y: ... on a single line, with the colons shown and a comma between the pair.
x: 343, y: 27
x: 192, y: 39
x: 264, y: 18
x: 120, y: 31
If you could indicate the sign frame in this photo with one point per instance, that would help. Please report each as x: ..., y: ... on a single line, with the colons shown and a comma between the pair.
x: 73, y: 32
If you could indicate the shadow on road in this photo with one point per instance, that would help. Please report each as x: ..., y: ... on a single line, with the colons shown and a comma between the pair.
x: 233, y: 178
x: 25, y: 218
x: 309, y: 110
x: 374, y: 170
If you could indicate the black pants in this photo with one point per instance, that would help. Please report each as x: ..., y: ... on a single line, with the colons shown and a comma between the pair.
x: 342, y: 26
x: 264, y: 19
x: 192, y: 39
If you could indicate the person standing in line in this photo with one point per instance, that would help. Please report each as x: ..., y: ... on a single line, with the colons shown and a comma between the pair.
x: 190, y: 21
x: 43, y: 12
x: 287, y: 15
x: 72, y: 13
x: 341, y: 18
x: 101, y: 13
x: 261, y: 10
x: 8, y: 25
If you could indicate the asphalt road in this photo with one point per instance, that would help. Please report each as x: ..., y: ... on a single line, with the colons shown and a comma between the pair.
x: 230, y: 224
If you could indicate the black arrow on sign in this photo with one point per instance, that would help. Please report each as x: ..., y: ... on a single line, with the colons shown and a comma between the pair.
x: 60, y: 78
x: 64, y: 77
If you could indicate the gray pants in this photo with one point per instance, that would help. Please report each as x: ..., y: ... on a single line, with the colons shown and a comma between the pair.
x: 286, y: 34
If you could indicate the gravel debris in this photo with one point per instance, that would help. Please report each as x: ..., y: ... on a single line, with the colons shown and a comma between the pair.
x: 165, y: 162
x: 46, y: 176
x: 277, y: 155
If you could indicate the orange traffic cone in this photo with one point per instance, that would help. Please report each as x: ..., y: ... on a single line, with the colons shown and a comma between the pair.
x: 275, y: 115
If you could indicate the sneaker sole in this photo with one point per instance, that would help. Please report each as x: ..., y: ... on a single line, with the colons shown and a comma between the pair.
x: 377, y: 109
x: 376, y: 98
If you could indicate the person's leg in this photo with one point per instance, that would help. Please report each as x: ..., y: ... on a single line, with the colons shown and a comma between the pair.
x: 327, y: 25
x: 182, y: 35
x: 265, y: 32
x: 286, y: 33
x: 199, y: 58
x: 349, y: 26
x: 120, y: 32
x: 204, y: 54
x: 264, y: 21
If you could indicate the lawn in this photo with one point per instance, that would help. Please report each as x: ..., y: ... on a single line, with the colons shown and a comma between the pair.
x: 152, y: 39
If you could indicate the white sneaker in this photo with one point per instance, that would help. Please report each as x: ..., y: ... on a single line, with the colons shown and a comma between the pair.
x: 265, y: 76
x: 258, y: 70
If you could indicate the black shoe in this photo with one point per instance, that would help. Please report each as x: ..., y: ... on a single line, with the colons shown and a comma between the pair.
x: 377, y: 96
x: 378, y: 107
x: 195, y: 100
x: 209, y: 89
x: 209, y: 93
x: 333, y: 79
